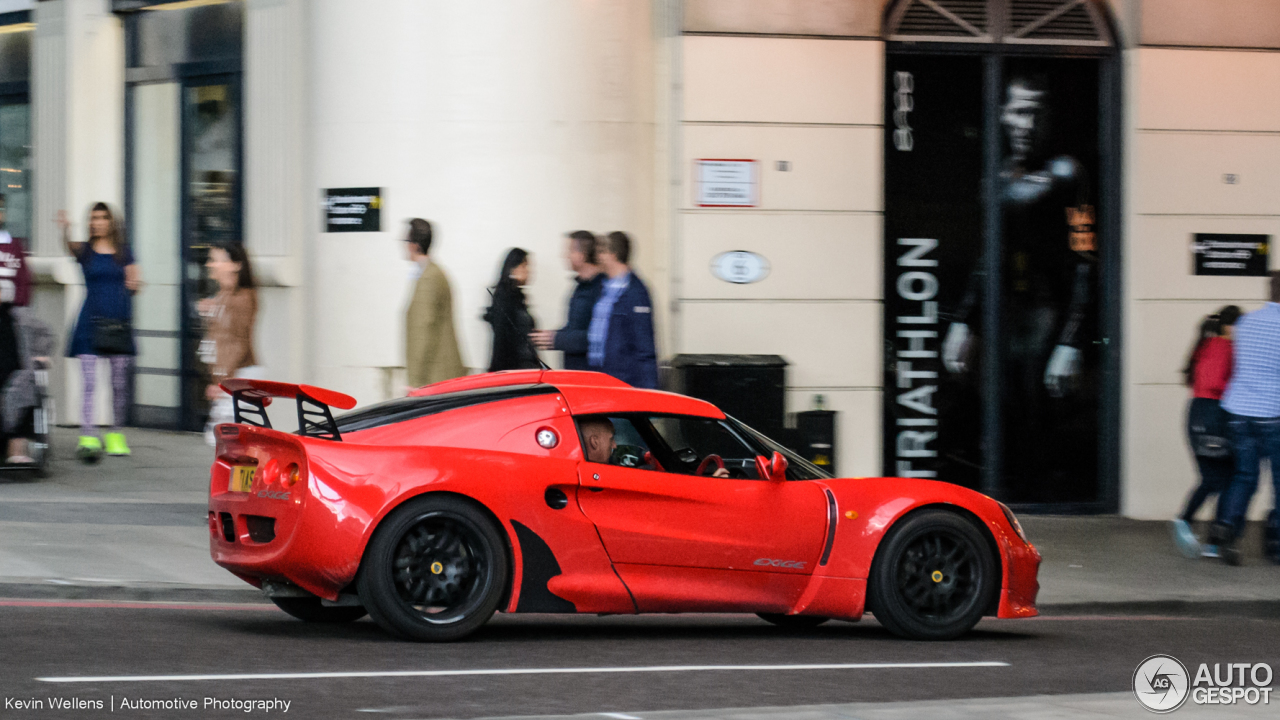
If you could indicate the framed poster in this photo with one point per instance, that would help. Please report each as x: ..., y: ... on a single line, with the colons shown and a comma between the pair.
x: 726, y: 183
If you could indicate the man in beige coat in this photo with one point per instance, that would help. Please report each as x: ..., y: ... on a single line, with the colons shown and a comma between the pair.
x: 431, y: 347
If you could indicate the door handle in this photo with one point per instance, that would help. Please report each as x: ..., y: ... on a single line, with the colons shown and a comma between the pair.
x: 596, y: 489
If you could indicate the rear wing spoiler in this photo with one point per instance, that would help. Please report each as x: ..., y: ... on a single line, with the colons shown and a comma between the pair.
x: 250, y: 398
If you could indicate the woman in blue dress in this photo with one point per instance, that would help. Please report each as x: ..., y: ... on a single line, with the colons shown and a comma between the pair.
x: 105, y: 325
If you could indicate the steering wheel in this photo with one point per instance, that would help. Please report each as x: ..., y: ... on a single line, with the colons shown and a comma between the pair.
x: 702, y: 466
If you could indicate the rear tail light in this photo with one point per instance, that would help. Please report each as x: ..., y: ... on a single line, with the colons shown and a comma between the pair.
x: 271, y: 472
x: 291, y: 475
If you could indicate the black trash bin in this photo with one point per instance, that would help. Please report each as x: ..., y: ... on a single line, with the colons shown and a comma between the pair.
x: 752, y: 388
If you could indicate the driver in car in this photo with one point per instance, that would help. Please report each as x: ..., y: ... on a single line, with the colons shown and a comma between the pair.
x: 598, y: 438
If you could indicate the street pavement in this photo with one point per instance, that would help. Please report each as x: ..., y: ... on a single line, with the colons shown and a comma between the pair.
x: 539, y: 665
x: 105, y: 571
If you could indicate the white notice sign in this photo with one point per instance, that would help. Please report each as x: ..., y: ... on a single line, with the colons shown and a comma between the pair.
x: 726, y: 183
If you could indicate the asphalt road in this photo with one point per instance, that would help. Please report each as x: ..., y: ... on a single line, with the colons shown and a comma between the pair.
x: 1052, y: 655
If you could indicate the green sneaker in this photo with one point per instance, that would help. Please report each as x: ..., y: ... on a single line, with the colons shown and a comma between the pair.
x: 115, y: 444
x: 89, y: 449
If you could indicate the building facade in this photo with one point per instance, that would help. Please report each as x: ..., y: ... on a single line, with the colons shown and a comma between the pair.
x: 967, y: 225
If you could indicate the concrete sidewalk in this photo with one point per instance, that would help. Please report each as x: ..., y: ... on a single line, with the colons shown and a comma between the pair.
x: 135, y: 528
x: 1094, y: 706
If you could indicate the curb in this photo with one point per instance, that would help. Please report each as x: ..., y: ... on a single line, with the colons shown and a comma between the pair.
x: 1177, y: 608
x: 132, y: 593
x: 252, y: 596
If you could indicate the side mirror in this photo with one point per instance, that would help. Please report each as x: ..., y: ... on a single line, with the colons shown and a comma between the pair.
x: 774, y: 469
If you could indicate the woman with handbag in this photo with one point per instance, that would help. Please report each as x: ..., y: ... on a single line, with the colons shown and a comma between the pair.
x: 1207, y: 372
x: 227, y: 347
x: 510, y: 318
x: 105, y: 325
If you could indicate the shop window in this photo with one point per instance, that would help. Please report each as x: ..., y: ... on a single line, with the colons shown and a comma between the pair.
x: 185, y: 145
x: 1001, y: 229
x: 15, y: 124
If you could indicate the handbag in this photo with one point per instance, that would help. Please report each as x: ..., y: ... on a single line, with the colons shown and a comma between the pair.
x: 1207, y: 427
x: 112, y: 336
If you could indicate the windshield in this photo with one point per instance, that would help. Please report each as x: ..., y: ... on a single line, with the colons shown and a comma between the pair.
x: 797, y: 467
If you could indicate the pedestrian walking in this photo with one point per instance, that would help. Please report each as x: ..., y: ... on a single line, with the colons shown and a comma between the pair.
x: 572, y: 338
x: 230, y: 316
x: 24, y: 340
x: 1207, y: 371
x: 105, y: 325
x: 15, y: 276
x: 620, y: 336
x: 1252, y: 398
x: 431, y: 347
x: 32, y: 342
x: 510, y: 318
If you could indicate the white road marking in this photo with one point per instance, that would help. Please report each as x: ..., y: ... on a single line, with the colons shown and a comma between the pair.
x: 518, y: 671
x: 621, y: 716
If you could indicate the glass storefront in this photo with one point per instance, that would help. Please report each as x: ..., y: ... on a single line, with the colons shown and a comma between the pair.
x: 185, y: 138
x: 996, y: 318
x: 15, y: 125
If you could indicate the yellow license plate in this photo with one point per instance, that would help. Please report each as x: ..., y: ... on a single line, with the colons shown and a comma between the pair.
x: 242, y: 478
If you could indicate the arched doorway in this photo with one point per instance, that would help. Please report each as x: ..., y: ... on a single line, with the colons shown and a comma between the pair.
x: 1001, y: 248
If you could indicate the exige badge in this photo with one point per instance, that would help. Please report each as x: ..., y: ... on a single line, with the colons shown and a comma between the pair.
x: 782, y: 563
x: 273, y: 495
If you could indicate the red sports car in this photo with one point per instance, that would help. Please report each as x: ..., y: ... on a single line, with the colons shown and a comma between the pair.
x: 572, y: 492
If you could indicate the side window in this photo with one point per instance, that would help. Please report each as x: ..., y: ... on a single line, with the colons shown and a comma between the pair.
x: 701, y: 444
x: 615, y: 440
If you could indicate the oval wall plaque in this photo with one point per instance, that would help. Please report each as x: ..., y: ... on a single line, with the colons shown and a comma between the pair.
x: 740, y: 267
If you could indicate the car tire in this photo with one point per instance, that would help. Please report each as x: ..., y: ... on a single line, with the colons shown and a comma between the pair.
x: 435, y: 570
x: 310, y: 609
x: 933, y: 577
x: 793, y: 622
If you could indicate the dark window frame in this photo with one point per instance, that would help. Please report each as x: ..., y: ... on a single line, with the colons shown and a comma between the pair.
x: 186, y: 75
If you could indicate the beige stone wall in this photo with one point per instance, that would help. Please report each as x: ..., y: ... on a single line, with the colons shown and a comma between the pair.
x: 1211, y: 23
x: 815, y: 104
x: 844, y: 18
x: 1193, y: 116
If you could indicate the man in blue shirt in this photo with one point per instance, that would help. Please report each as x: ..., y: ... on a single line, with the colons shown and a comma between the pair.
x: 620, y: 336
x: 1253, y: 401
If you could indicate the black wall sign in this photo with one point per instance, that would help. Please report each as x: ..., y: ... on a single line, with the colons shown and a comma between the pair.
x: 353, y: 210
x: 1219, y: 254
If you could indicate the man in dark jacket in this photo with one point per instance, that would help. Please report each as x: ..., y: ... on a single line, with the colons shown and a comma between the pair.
x: 572, y: 338
x: 620, y: 337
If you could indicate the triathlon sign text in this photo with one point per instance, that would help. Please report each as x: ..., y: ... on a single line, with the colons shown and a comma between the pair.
x: 913, y: 378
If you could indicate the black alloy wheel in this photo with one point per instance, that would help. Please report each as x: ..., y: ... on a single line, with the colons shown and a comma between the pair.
x: 793, y: 622
x: 933, y: 577
x: 434, y: 570
x: 310, y: 609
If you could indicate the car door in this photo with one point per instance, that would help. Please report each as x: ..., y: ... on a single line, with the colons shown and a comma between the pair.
x: 659, y: 513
